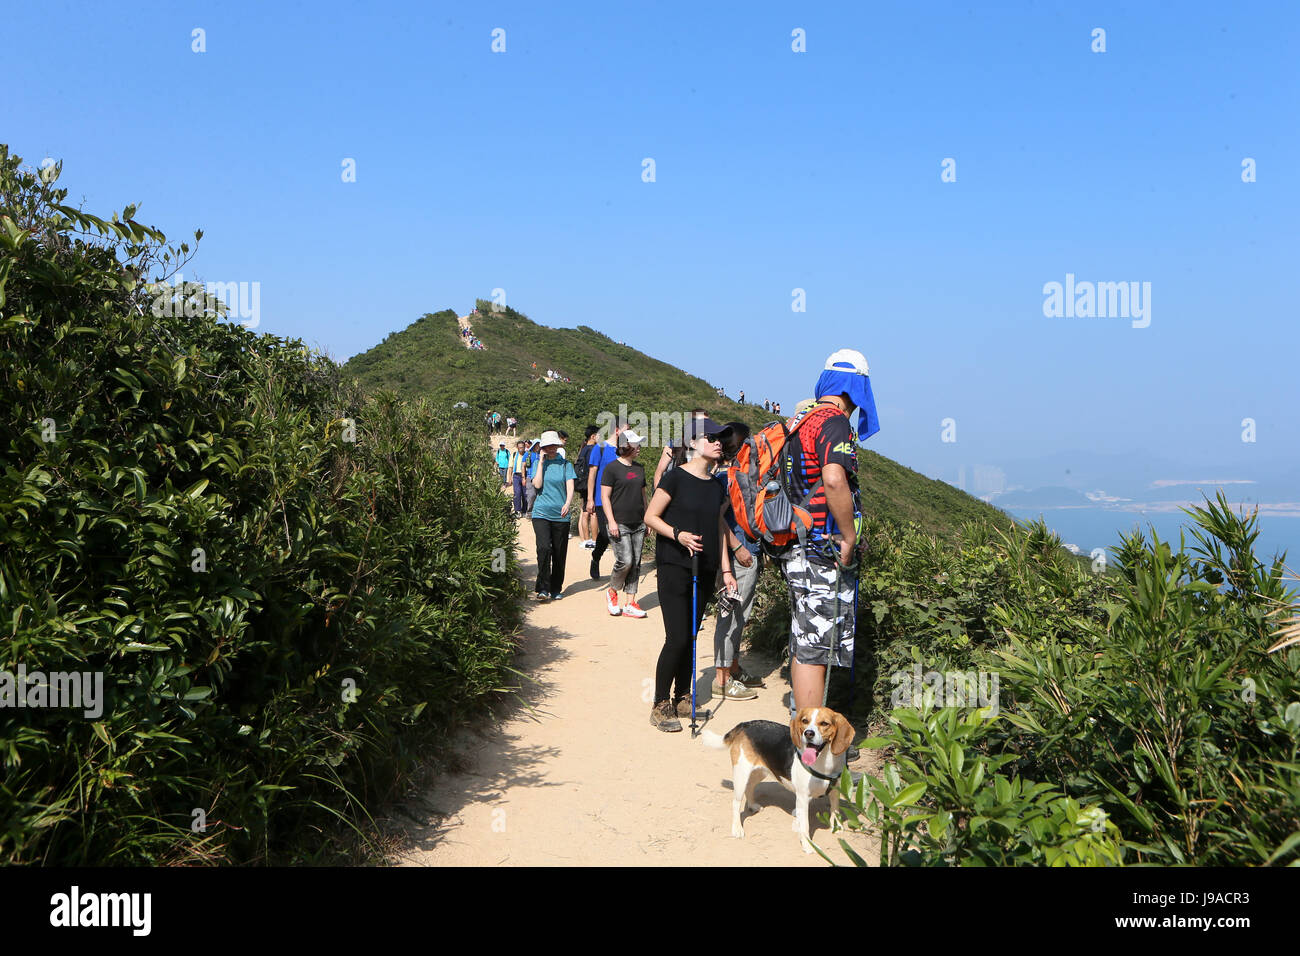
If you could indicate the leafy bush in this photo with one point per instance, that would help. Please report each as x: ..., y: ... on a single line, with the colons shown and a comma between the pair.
x: 288, y: 586
x: 1144, y: 717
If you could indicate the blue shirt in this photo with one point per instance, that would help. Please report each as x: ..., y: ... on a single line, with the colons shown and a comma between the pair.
x: 503, y: 458
x: 554, y: 492
x: 531, y: 459
x: 601, y: 455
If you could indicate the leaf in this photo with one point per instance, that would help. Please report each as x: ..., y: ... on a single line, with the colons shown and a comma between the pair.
x: 1287, y: 846
x: 908, y: 795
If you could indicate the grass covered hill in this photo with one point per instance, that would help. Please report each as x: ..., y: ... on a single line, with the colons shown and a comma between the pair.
x: 428, y: 360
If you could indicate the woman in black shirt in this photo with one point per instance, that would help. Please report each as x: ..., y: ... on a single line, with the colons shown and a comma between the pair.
x: 686, y: 514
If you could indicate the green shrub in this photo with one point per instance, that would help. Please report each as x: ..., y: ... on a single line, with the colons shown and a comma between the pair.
x: 1152, y: 725
x: 288, y: 586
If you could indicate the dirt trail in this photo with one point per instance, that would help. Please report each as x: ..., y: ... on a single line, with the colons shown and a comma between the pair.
x: 582, y: 778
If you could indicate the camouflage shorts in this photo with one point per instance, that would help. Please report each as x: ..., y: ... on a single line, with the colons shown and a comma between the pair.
x: 812, y: 609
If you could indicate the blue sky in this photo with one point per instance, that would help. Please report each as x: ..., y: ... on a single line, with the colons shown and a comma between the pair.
x: 774, y: 170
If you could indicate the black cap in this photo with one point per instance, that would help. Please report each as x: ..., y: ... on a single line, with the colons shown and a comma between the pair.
x: 704, y: 426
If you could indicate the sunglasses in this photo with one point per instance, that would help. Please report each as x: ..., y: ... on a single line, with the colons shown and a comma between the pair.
x: 713, y: 439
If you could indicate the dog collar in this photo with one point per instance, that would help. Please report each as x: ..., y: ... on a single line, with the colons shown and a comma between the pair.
x: 819, y: 774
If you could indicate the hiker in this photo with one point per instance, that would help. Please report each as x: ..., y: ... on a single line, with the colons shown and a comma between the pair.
x: 742, y: 396
x: 518, y: 468
x: 598, y: 458
x: 765, y: 406
x: 731, y: 682
x: 822, y: 573
x: 511, y: 422
x: 776, y: 407
x: 624, y: 505
x: 503, y: 462
x: 666, y: 460
x: 564, y: 441
x: 686, y: 514
x: 580, y: 464
x: 552, y: 482
x: 532, y: 458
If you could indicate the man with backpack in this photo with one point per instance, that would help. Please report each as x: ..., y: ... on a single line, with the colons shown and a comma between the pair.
x: 586, y: 532
x: 794, y: 487
x: 822, y: 569
x: 503, y: 461
x: 517, y: 469
x: 531, y: 459
x: 597, y: 459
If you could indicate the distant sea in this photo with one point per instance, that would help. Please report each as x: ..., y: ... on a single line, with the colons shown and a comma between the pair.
x: 1090, y: 528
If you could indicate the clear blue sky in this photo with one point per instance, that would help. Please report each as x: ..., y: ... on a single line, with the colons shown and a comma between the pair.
x: 775, y: 170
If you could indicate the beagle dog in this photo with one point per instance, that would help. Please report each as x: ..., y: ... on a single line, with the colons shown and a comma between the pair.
x: 806, y: 756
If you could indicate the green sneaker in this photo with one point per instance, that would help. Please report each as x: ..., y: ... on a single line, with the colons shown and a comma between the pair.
x: 735, y: 690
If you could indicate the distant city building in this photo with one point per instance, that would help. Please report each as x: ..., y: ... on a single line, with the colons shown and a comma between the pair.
x: 989, y: 480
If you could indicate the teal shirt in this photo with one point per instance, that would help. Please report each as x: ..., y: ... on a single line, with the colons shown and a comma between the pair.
x: 550, y: 499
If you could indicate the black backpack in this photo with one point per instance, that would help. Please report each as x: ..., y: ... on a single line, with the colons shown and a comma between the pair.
x: 583, y: 465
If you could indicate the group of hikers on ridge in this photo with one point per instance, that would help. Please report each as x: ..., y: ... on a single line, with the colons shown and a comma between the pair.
x: 713, y: 534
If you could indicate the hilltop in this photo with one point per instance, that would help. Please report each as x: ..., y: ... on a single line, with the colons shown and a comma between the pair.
x: 429, y: 359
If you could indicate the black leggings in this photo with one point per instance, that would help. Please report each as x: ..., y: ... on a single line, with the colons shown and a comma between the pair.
x: 602, y: 535
x: 552, y: 552
x: 675, y: 606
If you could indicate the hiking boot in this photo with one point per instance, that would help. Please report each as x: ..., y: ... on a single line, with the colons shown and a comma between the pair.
x: 734, y: 690
x: 542, y: 596
x: 749, y: 680
x: 595, y: 570
x: 611, y: 602
x: 683, y: 706
x: 632, y: 609
x: 662, y: 717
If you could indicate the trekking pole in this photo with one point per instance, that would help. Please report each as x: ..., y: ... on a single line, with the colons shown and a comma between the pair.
x: 835, y: 634
x: 853, y: 659
x: 695, y: 630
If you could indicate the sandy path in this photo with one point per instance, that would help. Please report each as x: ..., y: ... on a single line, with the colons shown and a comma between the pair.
x: 584, y: 779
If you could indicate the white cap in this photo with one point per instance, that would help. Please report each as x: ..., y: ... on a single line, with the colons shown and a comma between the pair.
x: 629, y: 437
x: 847, y: 360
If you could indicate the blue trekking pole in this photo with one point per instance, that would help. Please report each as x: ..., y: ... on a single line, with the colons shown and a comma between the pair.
x: 695, y: 630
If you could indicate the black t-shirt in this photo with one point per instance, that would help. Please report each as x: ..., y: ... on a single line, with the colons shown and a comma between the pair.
x: 626, y: 485
x: 695, y: 506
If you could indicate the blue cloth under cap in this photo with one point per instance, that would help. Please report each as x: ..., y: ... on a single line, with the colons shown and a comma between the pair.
x: 846, y: 380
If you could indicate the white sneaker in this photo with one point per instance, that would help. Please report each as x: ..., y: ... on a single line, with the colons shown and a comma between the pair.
x: 589, y: 544
x: 611, y: 602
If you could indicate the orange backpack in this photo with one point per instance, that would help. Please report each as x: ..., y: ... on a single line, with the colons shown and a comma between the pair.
x: 759, y: 481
